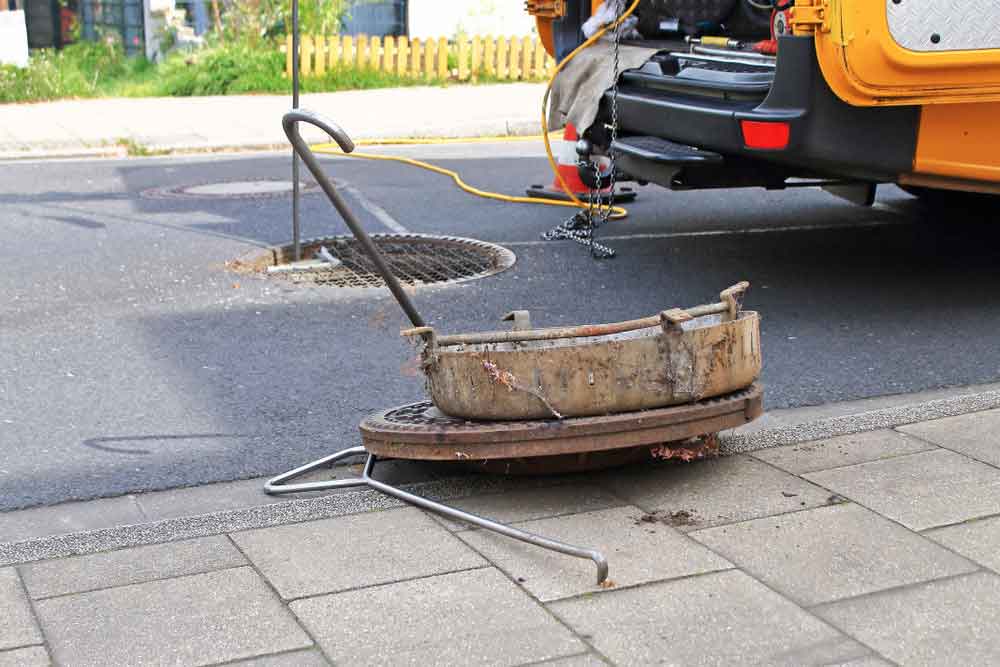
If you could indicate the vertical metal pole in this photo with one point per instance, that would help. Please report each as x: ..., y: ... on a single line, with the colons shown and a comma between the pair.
x: 296, y: 234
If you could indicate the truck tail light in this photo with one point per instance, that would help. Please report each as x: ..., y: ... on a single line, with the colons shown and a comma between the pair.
x: 765, y: 135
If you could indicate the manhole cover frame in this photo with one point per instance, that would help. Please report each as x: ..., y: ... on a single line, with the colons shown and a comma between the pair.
x: 502, y: 259
x: 183, y: 191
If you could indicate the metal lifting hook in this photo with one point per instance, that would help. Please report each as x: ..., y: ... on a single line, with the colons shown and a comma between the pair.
x: 290, y: 123
x: 281, y: 484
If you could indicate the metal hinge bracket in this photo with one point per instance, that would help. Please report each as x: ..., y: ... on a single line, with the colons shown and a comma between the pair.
x: 809, y: 16
x: 547, y: 9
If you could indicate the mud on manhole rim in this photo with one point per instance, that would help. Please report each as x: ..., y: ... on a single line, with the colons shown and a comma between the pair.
x: 249, y: 188
x: 415, y: 260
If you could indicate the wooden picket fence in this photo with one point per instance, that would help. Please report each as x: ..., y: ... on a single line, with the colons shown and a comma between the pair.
x: 509, y: 59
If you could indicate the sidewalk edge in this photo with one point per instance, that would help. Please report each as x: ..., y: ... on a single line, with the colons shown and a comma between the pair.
x: 110, y: 148
x: 782, y: 427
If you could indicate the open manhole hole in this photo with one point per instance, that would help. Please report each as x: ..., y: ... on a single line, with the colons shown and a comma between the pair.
x: 415, y: 259
x: 249, y: 189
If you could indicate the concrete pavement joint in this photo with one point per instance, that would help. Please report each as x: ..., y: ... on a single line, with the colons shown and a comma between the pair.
x: 279, y: 654
x: 277, y: 596
x: 86, y: 591
x: 544, y: 606
x: 847, y: 465
x: 34, y: 615
x: 486, y: 566
x: 894, y: 589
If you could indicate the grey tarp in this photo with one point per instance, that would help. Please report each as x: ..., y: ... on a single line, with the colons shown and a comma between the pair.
x: 576, y: 92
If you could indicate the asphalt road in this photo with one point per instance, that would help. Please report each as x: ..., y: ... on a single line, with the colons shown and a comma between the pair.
x: 131, y: 360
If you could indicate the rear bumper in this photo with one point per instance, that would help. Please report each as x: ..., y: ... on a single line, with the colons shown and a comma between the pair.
x: 827, y: 136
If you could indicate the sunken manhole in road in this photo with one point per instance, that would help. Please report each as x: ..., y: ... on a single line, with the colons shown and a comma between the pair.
x: 249, y: 189
x: 415, y: 260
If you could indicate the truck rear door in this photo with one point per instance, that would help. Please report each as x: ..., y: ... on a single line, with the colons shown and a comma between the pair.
x: 888, y: 52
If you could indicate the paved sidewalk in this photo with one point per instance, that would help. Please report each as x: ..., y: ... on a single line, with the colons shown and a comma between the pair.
x: 873, y: 548
x: 99, y: 127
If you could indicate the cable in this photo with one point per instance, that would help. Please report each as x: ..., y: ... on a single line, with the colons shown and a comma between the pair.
x: 617, y: 212
x: 333, y: 149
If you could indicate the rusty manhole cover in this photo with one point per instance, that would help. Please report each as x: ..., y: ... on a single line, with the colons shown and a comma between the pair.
x: 415, y: 259
x: 248, y: 189
x: 420, y: 431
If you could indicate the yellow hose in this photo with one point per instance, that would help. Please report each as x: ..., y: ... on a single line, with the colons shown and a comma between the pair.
x: 335, y: 150
x: 617, y: 212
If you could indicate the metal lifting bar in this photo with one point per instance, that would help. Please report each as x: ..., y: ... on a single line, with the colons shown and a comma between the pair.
x: 296, y: 229
x: 278, y: 486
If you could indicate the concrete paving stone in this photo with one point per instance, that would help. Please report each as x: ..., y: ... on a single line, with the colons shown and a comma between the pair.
x: 528, y: 504
x: 841, y: 451
x: 944, y: 622
x: 69, y: 518
x: 978, y: 540
x: 723, y: 618
x: 197, y: 500
x: 33, y: 656
x: 831, y: 553
x: 17, y: 625
x: 976, y: 434
x: 354, y: 551
x: 637, y: 552
x: 464, y: 618
x: 129, y: 566
x: 715, y: 492
x: 198, y: 619
x: 308, y: 658
x: 923, y: 490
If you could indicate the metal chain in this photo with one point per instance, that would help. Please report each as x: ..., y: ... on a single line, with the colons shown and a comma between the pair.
x: 616, y: 64
x: 581, y: 227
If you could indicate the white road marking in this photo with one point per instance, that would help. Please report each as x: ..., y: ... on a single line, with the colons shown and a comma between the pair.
x: 727, y: 232
x: 377, y: 211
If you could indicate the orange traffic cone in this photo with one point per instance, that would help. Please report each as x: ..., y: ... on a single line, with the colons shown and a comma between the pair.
x: 566, y: 159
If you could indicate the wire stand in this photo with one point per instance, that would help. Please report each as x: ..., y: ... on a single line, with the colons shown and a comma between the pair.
x: 280, y: 485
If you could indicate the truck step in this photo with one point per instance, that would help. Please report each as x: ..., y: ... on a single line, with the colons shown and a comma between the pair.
x: 663, y: 151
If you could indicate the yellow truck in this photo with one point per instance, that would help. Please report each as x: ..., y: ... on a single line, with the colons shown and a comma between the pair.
x: 771, y: 92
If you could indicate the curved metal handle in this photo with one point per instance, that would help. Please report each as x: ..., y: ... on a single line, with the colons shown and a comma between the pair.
x: 290, y: 123
x: 289, y: 120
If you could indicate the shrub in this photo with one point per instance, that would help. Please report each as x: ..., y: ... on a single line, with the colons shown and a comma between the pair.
x: 223, y: 69
x: 84, y: 69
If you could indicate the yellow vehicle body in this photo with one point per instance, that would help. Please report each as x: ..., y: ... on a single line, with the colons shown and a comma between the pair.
x: 958, y: 143
x: 939, y: 55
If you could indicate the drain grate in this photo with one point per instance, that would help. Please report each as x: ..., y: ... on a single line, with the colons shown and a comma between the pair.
x: 252, y: 189
x: 415, y: 259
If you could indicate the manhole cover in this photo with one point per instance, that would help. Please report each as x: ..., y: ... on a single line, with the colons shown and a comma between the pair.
x: 252, y: 189
x: 415, y: 259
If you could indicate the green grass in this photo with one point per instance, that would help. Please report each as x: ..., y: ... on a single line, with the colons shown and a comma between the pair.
x: 134, y: 149
x: 89, y: 69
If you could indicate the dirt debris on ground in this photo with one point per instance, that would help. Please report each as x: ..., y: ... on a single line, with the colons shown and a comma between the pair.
x: 677, y: 518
